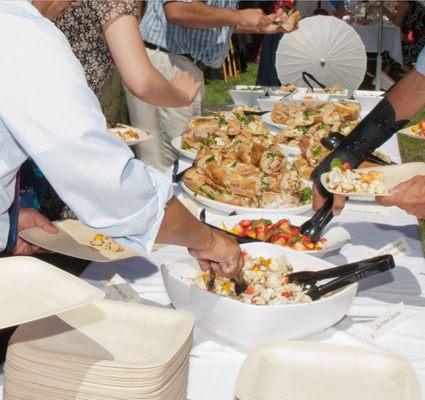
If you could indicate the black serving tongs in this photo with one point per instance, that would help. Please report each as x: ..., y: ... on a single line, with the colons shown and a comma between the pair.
x: 307, y: 81
x: 177, y: 176
x: 336, y: 138
x: 344, y: 275
x: 240, y: 284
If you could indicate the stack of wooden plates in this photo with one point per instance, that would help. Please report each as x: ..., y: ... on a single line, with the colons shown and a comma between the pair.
x: 106, y: 350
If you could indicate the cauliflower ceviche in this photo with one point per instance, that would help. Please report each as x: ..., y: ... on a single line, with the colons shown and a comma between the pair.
x: 267, y: 281
x: 281, y: 233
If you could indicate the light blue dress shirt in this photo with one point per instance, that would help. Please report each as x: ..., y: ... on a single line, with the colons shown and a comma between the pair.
x: 210, y: 46
x: 48, y: 112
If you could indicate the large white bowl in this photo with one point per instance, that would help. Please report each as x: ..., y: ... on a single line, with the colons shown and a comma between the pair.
x: 245, y: 97
x: 267, y: 103
x: 245, y: 325
x: 336, y: 237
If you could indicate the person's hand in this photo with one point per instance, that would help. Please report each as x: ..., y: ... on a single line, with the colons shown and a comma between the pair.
x: 222, y: 253
x: 285, y: 25
x: 30, y: 218
x: 255, y: 19
x: 319, y: 201
x: 408, y: 195
x: 187, y: 85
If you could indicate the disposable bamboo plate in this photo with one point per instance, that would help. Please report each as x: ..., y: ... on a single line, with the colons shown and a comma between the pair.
x: 106, y: 350
x: 176, y: 143
x: 409, y: 132
x: 336, y: 237
x: 305, y: 371
x: 31, y: 289
x: 393, y: 175
x: 73, y: 239
x: 244, y: 325
x: 121, y: 129
x: 227, y: 208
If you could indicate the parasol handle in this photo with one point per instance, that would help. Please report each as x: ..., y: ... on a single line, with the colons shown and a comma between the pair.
x: 309, y: 76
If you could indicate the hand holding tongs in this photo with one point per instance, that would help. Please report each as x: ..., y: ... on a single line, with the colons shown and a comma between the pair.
x: 335, y: 138
x: 344, y: 275
x: 309, y: 76
x: 239, y: 282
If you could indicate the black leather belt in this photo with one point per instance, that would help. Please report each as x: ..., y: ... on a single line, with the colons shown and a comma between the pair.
x: 155, y: 47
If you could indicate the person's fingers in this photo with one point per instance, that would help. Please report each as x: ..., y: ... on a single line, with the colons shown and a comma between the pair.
x: 318, y: 200
x: 386, y: 201
x: 338, y: 204
x: 42, y: 222
x: 401, y: 186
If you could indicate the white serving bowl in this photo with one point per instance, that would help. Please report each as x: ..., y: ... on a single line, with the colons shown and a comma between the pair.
x: 243, y: 96
x: 368, y: 103
x: 245, y: 325
x: 267, y: 103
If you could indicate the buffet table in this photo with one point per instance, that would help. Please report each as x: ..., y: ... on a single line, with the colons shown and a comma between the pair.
x: 391, y: 40
x: 215, y: 365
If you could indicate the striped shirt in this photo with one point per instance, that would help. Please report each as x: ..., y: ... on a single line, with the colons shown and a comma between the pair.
x: 210, y: 46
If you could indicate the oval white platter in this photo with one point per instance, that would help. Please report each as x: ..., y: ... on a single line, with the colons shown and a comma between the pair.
x: 393, y: 175
x: 267, y: 119
x: 176, y: 143
x: 228, y: 208
x: 336, y: 237
x: 245, y: 325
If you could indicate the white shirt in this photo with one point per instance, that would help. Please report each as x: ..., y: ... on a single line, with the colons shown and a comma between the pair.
x: 49, y: 113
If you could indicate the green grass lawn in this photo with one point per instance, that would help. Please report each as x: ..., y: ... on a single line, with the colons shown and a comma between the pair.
x: 216, y: 94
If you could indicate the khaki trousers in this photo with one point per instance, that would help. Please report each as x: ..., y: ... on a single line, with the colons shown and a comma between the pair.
x: 163, y: 123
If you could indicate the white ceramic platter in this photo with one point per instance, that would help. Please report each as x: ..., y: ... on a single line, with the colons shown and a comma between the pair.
x: 336, y: 237
x: 228, y: 208
x: 245, y: 325
x: 176, y: 143
x: 393, y: 175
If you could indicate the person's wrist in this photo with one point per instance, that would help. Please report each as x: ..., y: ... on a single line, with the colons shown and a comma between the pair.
x: 205, y: 238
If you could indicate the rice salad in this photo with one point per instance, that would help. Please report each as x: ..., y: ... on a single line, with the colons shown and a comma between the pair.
x: 267, y: 283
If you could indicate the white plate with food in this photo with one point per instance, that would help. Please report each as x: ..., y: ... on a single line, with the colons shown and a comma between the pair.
x: 316, y: 98
x: 74, y: 239
x: 417, y: 131
x: 267, y: 103
x: 288, y: 370
x: 261, y: 314
x: 246, y: 95
x: 365, y: 184
x: 283, y: 230
x: 228, y: 208
x: 332, y: 91
x: 129, y: 135
x: 183, y: 149
x: 267, y: 119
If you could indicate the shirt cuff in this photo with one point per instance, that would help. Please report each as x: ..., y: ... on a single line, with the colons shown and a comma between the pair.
x: 420, y: 62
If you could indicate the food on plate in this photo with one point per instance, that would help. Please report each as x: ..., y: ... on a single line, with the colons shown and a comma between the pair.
x: 241, y: 109
x: 281, y: 233
x: 288, y: 21
x: 419, y: 128
x: 287, y: 88
x: 267, y: 283
x: 249, y: 88
x: 224, y: 130
x: 345, y: 180
x: 125, y: 134
x: 247, y: 174
x: 104, y: 242
x: 335, y: 89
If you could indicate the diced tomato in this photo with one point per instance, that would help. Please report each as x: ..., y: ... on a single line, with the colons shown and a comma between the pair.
x: 287, y: 294
x: 346, y: 165
x: 249, y: 291
x: 245, y: 223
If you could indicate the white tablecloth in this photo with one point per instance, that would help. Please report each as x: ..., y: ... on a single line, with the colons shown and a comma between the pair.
x: 214, y: 365
x: 391, y: 40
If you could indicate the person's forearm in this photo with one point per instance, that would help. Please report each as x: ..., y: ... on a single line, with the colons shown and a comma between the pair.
x: 181, y: 228
x: 394, y: 18
x: 199, y: 15
x: 408, y: 96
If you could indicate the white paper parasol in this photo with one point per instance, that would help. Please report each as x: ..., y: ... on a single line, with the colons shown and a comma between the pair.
x: 327, y: 48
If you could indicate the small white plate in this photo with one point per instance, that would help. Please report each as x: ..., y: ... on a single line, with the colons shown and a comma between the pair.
x: 228, y: 208
x: 267, y: 118
x: 336, y: 237
x: 408, y: 132
x: 393, y: 175
x: 121, y: 128
x: 246, y: 97
x: 342, y: 95
x: 176, y: 143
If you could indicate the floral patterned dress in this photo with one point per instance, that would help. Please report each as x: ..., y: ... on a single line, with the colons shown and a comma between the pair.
x: 82, y: 24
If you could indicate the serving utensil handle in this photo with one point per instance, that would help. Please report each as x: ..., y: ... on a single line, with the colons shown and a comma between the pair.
x: 361, y: 270
x: 309, y: 76
x: 314, y: 227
